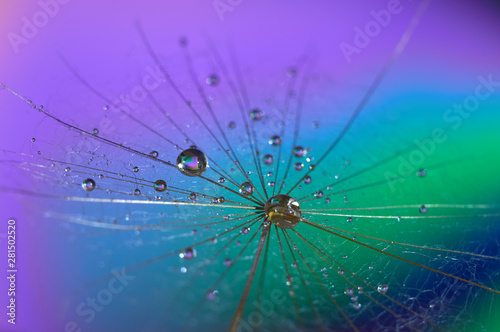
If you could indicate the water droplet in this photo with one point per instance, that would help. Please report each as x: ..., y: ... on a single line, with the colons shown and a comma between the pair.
x: 183, y: 269
x: 212, y: 294
x: 275, y: 140
x: 268, y: 159
x: 422, y: 172
x: 349, y: 219
x: 289, y: 280
x: 382, y: 288
x: 192, y: 196
x: 95, y: 131
x: 307, y: 179
x: 356, y: 305
x: 88, y: 184
x: 341, y: 272
x: 160, y: 185
x: 327, y: 200
x: 256, y: 114
x: 135, y: 169
x: 271, y: 184
x: 299, y: 151
x: 33, y: 139
x: 354, y: 298
x: 318, y: 194
x: 222, y: 180
x: 294, y: 264
x: 246, y: 188
x: 221, y: 199
x: 228, y: 262
x: 245, y: 230
x: 154, y: 154
x: 299, y: 166
x: 67, y: 169
x: 188, y: 253
x: 213, y: 80
x: 269, y: 174
x: 231, y: 125
x: 192, y: 162
x: 137, y: 192
x: 422, y: 209
x: 349, y: 291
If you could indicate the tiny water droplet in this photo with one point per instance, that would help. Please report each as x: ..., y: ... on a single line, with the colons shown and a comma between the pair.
x: 246, y: 188
x: 213, y: 80
x: 212, y: 294
x: 95, y: 131
x: 67, y: 169
x: 382, y: 288
x: 160, y: 185
x: 228, y: 262
x: 154, y: 154
x: 349, y: 219
x: 299, y: 151
x: 33, y: 139
x: 222, y: 180
x: 88, y: 184
x: 268, y: 159
x: 422, y: 172
x: 423, y: 209
x: 188, y: 253
x: 307, y: 179
x: 192, y: 196
x: 318, y: 194
x: 245, y: 230
x: 137, y: 192
x: 256, y: 114
x: 299, y: 166
x: 183, y: 269
x: 349, y: 291
x: 135, y: 169
x: 231, y: 125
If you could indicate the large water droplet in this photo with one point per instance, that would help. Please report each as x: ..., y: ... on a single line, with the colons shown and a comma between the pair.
x: 283, y: 211
x: 192, y: 162
x: 88, y: 184
x: 160, y: 185
x: 246, y: 188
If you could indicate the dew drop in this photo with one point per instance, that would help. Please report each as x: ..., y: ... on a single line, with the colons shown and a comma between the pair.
x: 33, y: 140
x: 213, y: 80
x: 222, y: 180
x: 422, y: 172
x: 299, y: 151
x: 67, y: 169
x: 268, y: 159
x: 256, y: 114
x: 341, y: 272
x: 192, y: 196
x: 154, y: 154
x: 212, y: 294
x: 160, y: 185
x: 183, y: 269
x: 245, y: 230
x: 356, y: 305
x: 423, y: 209
x: 246, y: 188
x: 307, y: 179
x: 228, y: 262
x: 349, y: 291
x: 192, y: 162
x: 349, y: 219
x: 137, y: 192
x: 88, y: 185
x: 275, y: 140
x: 231, y: 125
x: 95, y: 131
x: 299, y: 166
x: 318, y: 194
x: 382, y: 288
x: 135, y: 169
x: 188, y: 253
x: 327, y: 200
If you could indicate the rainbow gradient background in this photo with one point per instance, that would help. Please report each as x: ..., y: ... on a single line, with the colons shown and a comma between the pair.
x: 456, y: 42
